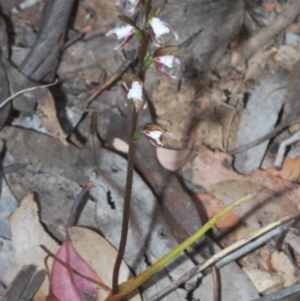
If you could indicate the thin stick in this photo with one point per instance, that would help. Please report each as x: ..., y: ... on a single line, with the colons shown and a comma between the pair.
x: 25, y: 91
x: 231, y: 253
x: 108, y: 82
x: 283, y: 293
x: 78, y: 204
x: 289, y: 12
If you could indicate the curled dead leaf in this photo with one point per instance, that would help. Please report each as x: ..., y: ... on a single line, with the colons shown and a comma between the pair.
x: 89, y: 262
x: 72, y: 279
x: 172, y: 159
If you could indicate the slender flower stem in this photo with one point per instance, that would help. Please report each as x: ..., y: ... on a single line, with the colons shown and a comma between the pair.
x: 142, y: 52
x: 127, y: 201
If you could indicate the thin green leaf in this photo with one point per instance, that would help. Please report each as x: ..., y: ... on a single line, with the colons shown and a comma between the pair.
x: 134, y: 283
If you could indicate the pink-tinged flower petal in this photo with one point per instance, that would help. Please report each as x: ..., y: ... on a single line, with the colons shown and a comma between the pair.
x: 154, y: 137
x: 167, y: 64
x: 153, y: 133
x: 68, y: 285
x: 125, y: 32
x: 161, y: 28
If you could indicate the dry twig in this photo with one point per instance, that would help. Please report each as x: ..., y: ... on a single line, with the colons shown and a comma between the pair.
x: 289, y: 12
x: 231, y: 253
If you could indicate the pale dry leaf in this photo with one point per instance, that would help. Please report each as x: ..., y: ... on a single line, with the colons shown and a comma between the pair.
x: 100, y: 255
x: 263, y: 280
x: 49, y: 118
x: 120, y: 145
x: 215, y: 129
x: 293, y: 239
x: 7, y: 262
x: 172, y: 159
x: 283, y: 266
x: 27, y: 236
x: 259, y: 118
x: 257, y: 65
x: 287, y: 55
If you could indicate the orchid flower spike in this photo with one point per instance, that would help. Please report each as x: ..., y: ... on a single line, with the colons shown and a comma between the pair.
x: 125, y: 33
x: 159, y: 29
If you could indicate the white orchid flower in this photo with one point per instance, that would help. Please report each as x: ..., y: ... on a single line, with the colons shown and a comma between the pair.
x: 124, y: 33
x: 167, y: 64
x: 160, y: 29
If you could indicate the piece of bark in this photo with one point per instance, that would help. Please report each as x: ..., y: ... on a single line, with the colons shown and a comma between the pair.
x: 41, y: 61
x: 33, y: 285
x: 4, y: 93
x: 19, y: 284
x: 259, y: 117
x: 292, y: 119
x: 4, y: 88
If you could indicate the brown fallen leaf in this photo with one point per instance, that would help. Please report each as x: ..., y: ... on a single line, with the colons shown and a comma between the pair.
x: 213, y: 172
x: 211, y: 167
x: 213, y: 205
x: 221, y: 185
x: 290, y: 170
x: 48, y: 117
